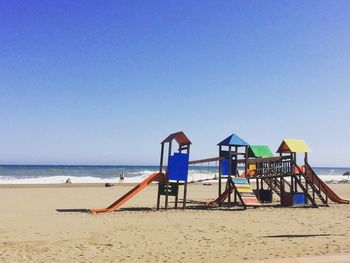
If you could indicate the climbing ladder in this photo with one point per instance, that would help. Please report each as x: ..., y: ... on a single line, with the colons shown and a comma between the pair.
x: 244, y: 192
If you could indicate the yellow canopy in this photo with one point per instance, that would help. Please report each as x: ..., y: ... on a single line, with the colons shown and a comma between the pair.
x: 293, y: 146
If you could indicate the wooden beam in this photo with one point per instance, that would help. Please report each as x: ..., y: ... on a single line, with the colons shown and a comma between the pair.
x: 263, y: 160
x: 206, y: 160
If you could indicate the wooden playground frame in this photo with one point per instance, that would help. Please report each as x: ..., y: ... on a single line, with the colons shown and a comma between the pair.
x: 166, y: 188
x: 270, y: 172
x: 279, y: 174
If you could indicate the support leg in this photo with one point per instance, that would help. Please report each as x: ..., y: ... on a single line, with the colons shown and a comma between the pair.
x: 177, y: 195
x: 185, y: 196
x: 166, y: 195
x: 158, y: 197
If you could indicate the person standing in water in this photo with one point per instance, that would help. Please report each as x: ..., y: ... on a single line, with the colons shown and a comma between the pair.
x: 121, y: 177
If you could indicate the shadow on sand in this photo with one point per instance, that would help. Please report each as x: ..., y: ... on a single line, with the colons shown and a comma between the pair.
x: 83, y: 210
x: 302, y: 235
x: 190, y: 205
x: 78, y: 210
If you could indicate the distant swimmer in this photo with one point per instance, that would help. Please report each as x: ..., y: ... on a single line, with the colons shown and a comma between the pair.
x: 121, y: 177
x: 68, y: 181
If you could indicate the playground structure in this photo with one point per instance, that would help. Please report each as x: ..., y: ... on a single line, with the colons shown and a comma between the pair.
x: 303, y: 187
x: 176, y: 175
x: 280, y: 175
x: 236, y: 152
x: 176, y: 171
x: 293, y: 184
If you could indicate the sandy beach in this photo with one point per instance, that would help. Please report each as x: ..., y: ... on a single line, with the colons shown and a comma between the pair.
x: 32, y: 230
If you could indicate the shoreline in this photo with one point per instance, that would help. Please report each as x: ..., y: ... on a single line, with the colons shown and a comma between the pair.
x: 63, y: 185
x: 118, y: 184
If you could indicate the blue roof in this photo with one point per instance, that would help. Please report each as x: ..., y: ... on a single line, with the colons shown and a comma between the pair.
x: 233, y: 140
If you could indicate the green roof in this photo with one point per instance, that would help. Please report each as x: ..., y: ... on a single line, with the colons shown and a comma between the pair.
x: 259, y: 151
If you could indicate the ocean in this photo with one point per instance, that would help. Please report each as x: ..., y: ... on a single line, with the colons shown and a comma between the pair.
x: 56, y: 174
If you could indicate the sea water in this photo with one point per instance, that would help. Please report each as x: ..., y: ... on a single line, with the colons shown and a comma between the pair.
x: 56, y: 174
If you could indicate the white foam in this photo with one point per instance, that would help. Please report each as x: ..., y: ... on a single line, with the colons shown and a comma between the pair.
x: 55, y: 180
x: 336, y: 178
x: 198, y: 175
x: 131, y: 177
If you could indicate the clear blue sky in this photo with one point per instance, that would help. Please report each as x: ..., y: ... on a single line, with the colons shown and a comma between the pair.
x: 103, y: 82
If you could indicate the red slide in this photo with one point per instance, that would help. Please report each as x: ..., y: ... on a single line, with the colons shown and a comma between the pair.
x: 222, y: 197
x: 323, y: 186
x: 117, y: 204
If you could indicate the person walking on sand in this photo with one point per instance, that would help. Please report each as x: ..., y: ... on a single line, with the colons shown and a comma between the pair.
x: 121, y: 177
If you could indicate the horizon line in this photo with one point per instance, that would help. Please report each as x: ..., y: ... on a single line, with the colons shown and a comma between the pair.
x: 132, y: 165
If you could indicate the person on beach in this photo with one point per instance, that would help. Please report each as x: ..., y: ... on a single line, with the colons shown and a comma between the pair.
x: 68, y: 181
x: 121, y: 177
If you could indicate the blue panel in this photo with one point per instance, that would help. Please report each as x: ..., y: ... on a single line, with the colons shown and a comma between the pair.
x: 178, y: 167
x: 299, y: 199
x: 224, y: 167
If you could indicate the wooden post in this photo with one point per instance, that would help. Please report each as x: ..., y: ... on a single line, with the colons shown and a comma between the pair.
x: 305, y: 159
x: 236, y: 157
x: 307, y: 185
x: 160, y: 171
x: 229, y: 173
x: 177, y: 183
x: 220, y: 166
x: 177, y: 194
x: 235, y: 198
x: 161, y: 158
x: 158, y: 198
x: 313, y: 195
x: 245, y: 160
x: 279, y: 165
x: 185, y: 185
x: 282, y: 190
x: 167, y: 178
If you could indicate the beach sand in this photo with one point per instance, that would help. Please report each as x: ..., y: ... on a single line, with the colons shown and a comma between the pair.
x: 32, y: 230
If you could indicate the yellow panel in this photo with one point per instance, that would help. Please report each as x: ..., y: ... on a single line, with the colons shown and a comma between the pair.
x: 245, y: 190
x: 252, y: 166
x: 294, y: 146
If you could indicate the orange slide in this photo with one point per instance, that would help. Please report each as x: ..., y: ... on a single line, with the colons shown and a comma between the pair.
x: 155, y: 177
x: 323, y: 186
x: 222, y: 197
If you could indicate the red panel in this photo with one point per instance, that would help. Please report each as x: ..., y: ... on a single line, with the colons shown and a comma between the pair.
x: 180, y: 138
